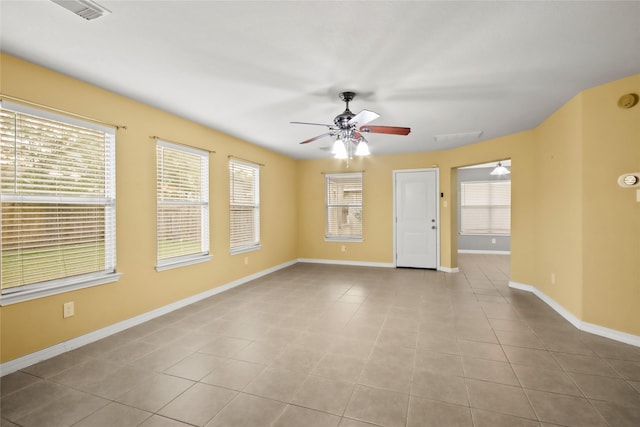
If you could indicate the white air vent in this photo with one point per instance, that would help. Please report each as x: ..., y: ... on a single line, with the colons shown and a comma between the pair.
x: 459, y: 137
x: 86, y: 9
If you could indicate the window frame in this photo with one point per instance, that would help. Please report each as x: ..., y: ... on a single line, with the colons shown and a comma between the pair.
x: 490, y: 207
x: 204, y: 254
x: 337, y: 237
x: 255, y: 243
x: 45, y: 288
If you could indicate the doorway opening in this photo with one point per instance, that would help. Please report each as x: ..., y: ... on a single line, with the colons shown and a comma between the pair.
x: 484, y: 208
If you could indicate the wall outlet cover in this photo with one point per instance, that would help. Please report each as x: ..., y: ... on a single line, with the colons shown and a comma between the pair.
x: 68, y: 309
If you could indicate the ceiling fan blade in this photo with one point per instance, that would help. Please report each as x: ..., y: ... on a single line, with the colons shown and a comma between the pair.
x: 314, y: 124
x: 316, y: 137
x: 393, y: 130
x: 363, y: 117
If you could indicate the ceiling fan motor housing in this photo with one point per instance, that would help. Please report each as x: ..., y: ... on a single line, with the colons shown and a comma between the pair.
x: 342, y: 120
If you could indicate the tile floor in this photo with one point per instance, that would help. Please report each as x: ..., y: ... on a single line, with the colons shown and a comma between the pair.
x: 319, y: 345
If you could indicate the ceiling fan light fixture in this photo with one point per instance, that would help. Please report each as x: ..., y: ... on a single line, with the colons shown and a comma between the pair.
x: 336, y: 146
x: 348, y: 130
x: 500, y: 170
x: 339, y: 149
x: 363, y: 148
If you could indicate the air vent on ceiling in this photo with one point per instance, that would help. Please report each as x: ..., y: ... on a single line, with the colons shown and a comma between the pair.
x: 459, y: 137
x: 86, y: 9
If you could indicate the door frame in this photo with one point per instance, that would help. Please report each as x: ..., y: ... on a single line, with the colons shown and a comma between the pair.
x: 395, y: 221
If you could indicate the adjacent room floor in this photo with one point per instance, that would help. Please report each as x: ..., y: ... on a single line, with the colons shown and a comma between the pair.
x: 324, y: 345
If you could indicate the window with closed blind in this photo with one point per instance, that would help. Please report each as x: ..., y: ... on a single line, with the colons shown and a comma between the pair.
x: 485, y: 207
x: 182, y: 213
x: 344, y: 206
x: 58, y: 203
x: 244, y: 206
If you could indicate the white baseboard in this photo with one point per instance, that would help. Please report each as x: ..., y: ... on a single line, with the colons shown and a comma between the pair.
x: 482, y: 251
x: 611, y: 334
x: 367, y: 264
x: 63, y: 347
x: 571, y: 318
x: 354, y: 263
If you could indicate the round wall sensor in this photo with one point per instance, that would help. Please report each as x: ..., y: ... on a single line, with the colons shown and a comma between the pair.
x: 629, y: 180
x: 629, y: 100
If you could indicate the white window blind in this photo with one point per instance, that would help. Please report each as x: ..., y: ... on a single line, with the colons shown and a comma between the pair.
x: 244, y: 206
x: 485, y: 207
x: 58, y: 203
x: 344, y: 206
x: 182, y: 180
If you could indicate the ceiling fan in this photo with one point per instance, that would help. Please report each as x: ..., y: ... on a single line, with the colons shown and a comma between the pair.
x: 349, y: 127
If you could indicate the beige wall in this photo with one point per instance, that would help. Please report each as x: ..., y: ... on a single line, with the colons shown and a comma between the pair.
x: 587, y: 227
x: 568, y: 216
x: 558, y: 206
x: 378, y: 197
x: 611, y: 215
x: 519, y: 148
x: 377, y: 209
x: 33, y: 325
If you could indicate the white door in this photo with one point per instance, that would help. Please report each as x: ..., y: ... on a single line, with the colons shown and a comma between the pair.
x: 416, y: 209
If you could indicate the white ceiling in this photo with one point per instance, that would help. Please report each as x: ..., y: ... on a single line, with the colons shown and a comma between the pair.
x: 249, y: 68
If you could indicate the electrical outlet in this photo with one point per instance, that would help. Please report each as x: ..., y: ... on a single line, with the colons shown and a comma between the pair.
x: 553, y: 278
x: 343, y: 248
x: 493, y: 241
x: 68, y: 309
x: 246, y: 260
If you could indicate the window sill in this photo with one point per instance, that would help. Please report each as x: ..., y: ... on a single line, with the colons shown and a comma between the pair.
x: 58, y: 287
x: 343, y: 239
x: 170, y: 264
x: 245, y: 249
x: 485, y: 234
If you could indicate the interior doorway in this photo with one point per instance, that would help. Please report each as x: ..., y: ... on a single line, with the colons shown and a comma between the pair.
x: 484, y: 208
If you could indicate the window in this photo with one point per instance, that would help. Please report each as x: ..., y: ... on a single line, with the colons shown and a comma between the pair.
x: 244, y: 206
x: 182, y: 213
x: 58, y: 202
x: 344, y: 206
x: 485, y: 207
